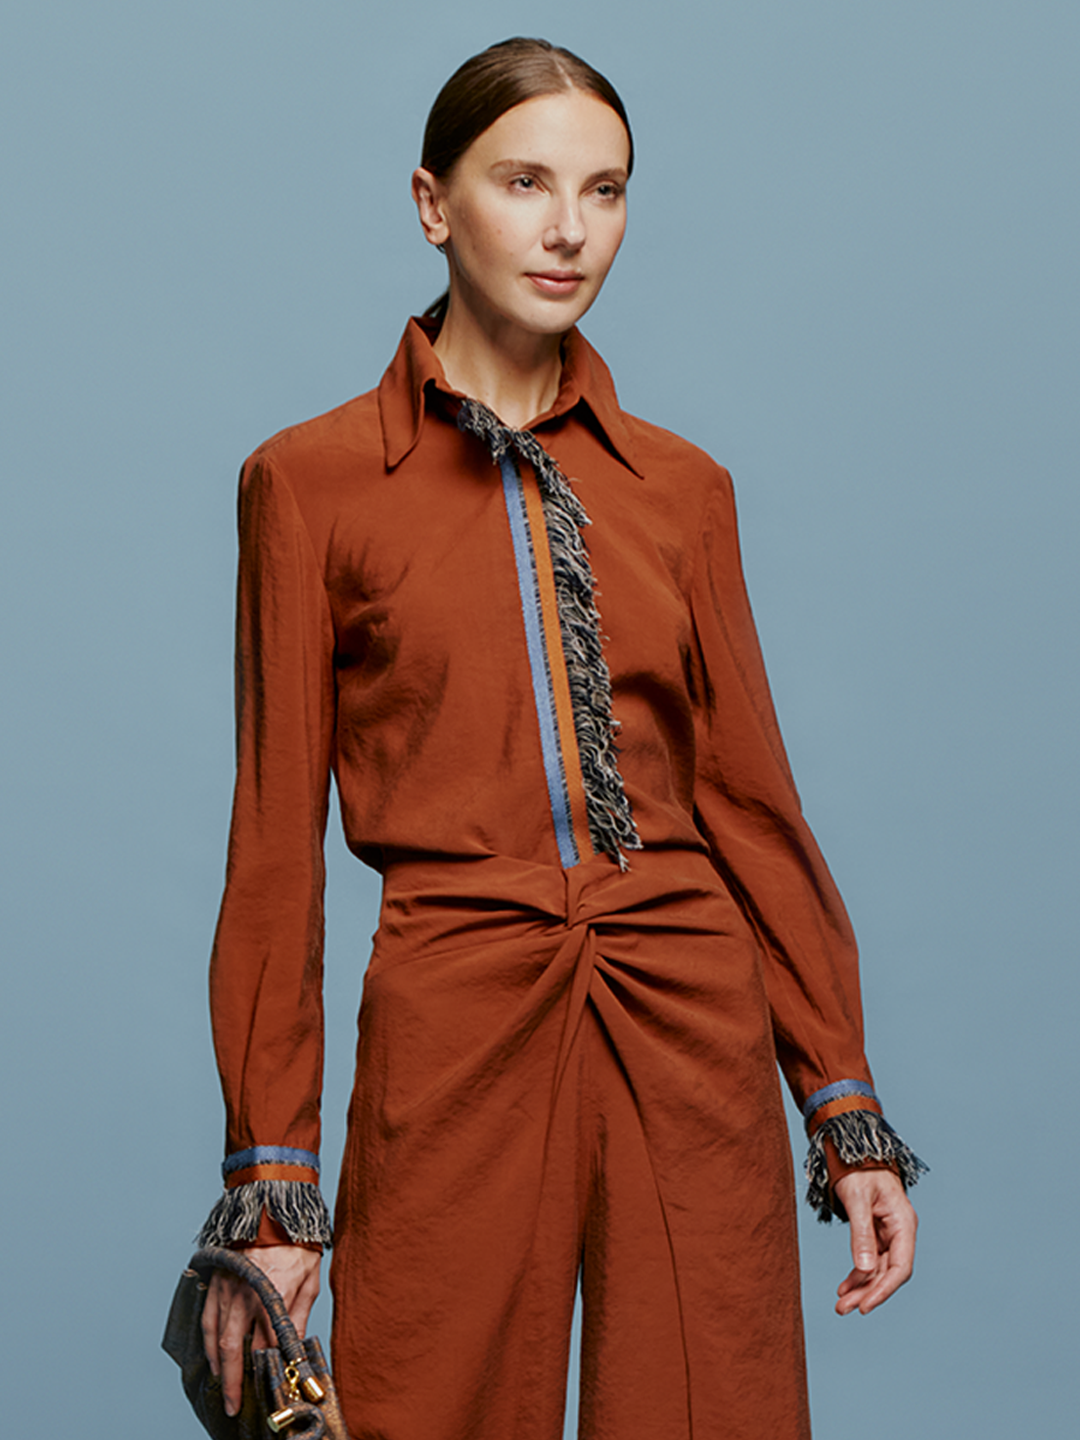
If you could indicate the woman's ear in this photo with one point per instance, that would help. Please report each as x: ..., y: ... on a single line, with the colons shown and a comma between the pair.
x: 430, y: 196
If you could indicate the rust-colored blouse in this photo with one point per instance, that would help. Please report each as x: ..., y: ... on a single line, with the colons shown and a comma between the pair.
x: 393, y: 583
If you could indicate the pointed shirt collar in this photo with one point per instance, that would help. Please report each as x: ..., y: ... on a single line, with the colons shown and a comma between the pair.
x: 403, y: 392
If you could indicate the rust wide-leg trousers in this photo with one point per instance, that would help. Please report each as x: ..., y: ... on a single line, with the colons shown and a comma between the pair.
x: 564, y: 1071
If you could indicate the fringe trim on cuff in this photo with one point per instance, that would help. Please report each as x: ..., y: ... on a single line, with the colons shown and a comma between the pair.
x: 297, y: 1206
x: 859, y: 1136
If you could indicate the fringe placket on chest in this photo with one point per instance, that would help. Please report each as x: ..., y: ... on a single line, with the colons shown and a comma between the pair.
x: 611, y: 825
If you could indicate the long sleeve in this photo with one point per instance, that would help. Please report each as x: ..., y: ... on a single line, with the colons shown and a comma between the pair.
x: 266, y: 971
x: 748, y: 809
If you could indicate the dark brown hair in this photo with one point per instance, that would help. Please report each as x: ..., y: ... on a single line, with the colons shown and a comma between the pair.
x: 496, y: 80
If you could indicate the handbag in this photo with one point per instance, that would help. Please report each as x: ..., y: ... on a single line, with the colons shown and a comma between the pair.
x: 287, y: 1391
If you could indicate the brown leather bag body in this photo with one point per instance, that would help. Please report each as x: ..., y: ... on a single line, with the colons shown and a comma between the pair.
x: 288, y: 1391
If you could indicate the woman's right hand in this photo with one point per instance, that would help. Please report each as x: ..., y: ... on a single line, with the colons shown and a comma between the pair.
x: 232, y: 1310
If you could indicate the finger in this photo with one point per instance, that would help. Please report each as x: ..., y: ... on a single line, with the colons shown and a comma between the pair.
x: 877, y: 1293
x: 899, y: 1258
x: 305, y: 1299
x: 852, y: 1291
x: 231, y: 1352
x: 300, y: 1316
x: 855, y: 1281
x: 263, y: 1337
x: 865, y: 1253
x: 210, y: 1328
x: 898, y: 1272
x: 235, y: 1318
x: 221, y: 1296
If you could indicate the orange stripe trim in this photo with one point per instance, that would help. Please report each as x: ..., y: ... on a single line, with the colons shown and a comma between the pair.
x: 253, y: 1173
x: 560, y: 684
x: 842, y: 1106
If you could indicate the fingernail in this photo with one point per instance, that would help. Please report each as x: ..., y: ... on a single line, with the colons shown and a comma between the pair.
x: 865, y: 1261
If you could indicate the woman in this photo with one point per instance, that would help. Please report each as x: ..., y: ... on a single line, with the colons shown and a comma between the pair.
x: 590, y: 954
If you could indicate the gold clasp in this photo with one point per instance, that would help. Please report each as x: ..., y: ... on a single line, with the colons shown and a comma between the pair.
x: 297, y: 1390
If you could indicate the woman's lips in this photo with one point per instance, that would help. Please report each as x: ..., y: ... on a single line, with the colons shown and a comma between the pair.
x: 556, y: 282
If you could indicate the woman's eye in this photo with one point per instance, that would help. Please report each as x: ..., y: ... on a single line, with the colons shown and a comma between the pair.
x: 523, y: 182
x: 608, y: 190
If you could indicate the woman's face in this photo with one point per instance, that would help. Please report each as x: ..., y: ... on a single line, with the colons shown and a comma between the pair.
x: 532, y: 215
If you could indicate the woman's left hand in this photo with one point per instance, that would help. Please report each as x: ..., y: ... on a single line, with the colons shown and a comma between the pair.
x: 883, y: 1226
x: 232, y: 1311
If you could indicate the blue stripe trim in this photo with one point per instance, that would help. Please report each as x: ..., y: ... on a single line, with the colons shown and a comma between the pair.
x: 269, y: 1155
x: 836, y: 1091
x: 550, y: 747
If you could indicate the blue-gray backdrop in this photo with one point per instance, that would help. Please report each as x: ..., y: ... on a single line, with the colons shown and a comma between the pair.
x: 852, y: 275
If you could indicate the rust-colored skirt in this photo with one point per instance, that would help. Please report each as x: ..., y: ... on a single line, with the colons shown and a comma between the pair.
x: 566, y: 1072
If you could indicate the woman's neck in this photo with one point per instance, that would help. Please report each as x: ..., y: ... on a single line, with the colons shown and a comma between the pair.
x: 511, y: 371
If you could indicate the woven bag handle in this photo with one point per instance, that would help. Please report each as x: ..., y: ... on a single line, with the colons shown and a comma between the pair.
x: 205, y: 1262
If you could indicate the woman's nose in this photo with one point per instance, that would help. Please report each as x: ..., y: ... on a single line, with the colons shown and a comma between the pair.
x: 567, y: 231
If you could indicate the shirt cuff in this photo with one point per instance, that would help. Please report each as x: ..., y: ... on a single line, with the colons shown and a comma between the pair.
x: 269, y: 1183
x: 848, y: 1131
